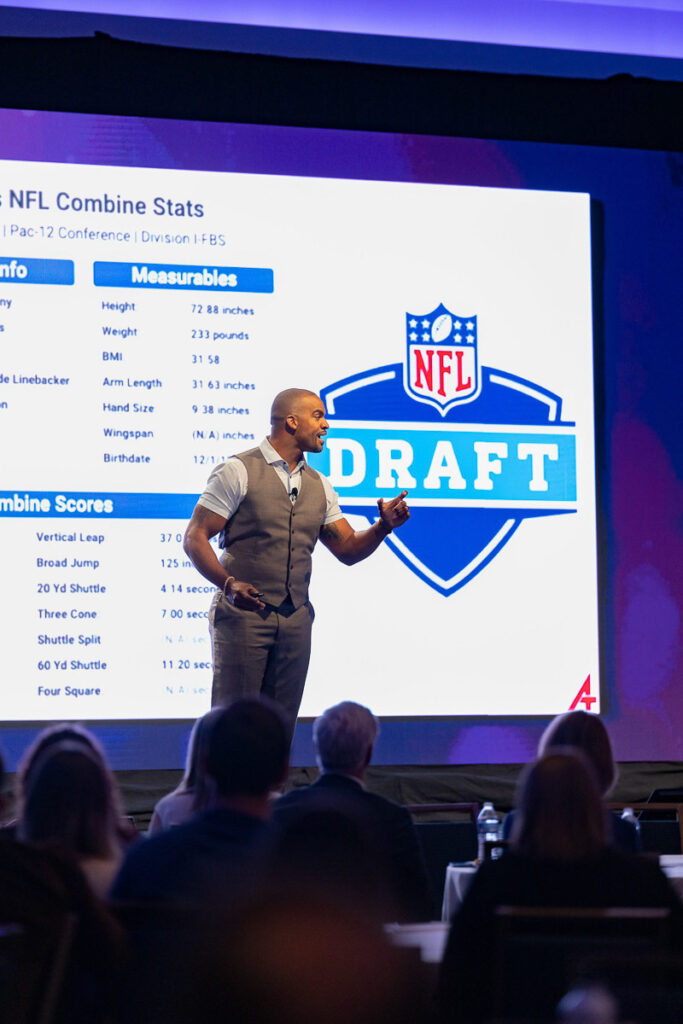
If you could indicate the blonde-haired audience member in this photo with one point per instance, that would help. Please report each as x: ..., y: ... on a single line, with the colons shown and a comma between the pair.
x: 586, y: 732
x: 193, y: 793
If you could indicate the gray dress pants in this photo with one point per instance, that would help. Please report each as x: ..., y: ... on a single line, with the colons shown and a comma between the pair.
x: 263, y: 652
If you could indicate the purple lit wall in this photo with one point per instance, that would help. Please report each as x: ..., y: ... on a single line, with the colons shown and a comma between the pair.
x: 648, y: 27
x: 568, y: 37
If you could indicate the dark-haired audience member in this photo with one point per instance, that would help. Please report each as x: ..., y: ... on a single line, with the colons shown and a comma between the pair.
x: 192, y: 794
x: 210, y: 859
x: 71, y: 732
x: 344, y: 738
x: 559, y: 858
x: 587, y: 733
x: 50, y: 736
x: 41, y: 889
x: 68, y: 803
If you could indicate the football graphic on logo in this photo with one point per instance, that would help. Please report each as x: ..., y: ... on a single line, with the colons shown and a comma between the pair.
x: 441, y: 328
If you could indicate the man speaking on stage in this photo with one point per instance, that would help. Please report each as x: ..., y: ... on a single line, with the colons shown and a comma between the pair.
x: 270, y: 507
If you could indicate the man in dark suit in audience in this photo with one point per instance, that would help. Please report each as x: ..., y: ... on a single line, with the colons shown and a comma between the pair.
x: 213, y: 858
x: 344, y: 737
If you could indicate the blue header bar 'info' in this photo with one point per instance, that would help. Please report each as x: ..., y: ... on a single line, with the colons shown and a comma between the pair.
x: 14, y: 270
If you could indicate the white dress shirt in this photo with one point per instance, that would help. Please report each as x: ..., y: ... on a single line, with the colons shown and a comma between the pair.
x: 226, y: 488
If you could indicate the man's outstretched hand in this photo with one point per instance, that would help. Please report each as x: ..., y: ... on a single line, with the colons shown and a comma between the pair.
x: 393, y: 513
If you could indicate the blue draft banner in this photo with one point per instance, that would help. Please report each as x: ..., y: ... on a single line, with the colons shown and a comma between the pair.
x: 467, y: 465
x: 182, y: 277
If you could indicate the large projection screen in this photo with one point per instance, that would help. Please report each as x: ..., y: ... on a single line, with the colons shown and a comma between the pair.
x: 149, y: 313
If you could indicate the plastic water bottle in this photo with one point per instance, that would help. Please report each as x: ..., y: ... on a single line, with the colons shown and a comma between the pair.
x: 488, y: 829
x: 628, y: 815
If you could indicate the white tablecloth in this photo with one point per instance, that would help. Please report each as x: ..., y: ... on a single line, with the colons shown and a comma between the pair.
x: 459, y: 876
x: 672, y: 866
x: 429, y: 938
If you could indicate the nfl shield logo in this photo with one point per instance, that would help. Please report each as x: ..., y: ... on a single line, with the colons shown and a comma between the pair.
x: 442, y: 367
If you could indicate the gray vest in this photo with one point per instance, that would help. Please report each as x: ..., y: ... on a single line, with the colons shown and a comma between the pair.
x: 269, y: 541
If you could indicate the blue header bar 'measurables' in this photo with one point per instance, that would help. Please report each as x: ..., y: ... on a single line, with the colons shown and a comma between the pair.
x: 182, y: 277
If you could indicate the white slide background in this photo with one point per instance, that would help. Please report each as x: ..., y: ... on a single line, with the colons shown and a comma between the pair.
x: 349, y: 259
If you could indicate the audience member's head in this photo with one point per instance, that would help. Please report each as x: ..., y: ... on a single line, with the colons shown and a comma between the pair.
x: 586, y: 732
x: 68, y: 801
x: 344, y: 736
x: 248, y: 748
x: 194, y: 779
x: 560, y: 812
x: 53, y: 735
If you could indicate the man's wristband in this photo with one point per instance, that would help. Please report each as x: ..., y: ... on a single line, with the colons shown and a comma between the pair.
x: 228, y: 580
x: 386, y: 530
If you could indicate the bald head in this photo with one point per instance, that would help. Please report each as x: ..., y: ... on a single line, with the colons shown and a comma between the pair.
x: 289, y: 403
x: 298, y: 424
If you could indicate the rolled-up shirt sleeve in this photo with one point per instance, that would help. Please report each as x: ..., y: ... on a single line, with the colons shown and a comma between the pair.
x: 333, y: 511
x: 225, y: 489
